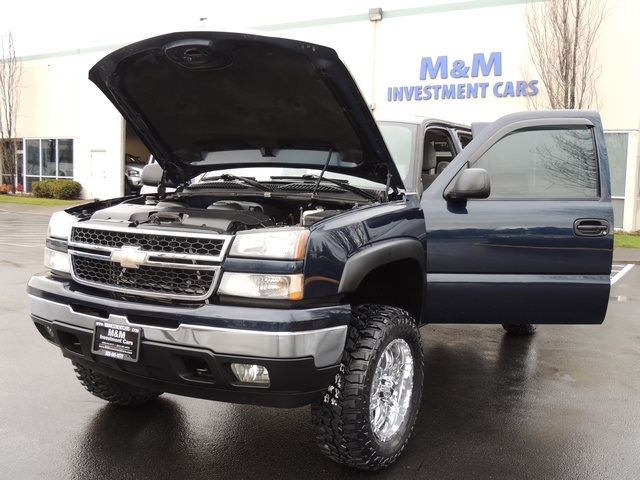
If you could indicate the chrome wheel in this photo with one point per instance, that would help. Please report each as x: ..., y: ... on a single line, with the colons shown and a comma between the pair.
x: 391, y: 390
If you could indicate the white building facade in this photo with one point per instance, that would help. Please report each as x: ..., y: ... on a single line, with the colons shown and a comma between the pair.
x: 460, y: 61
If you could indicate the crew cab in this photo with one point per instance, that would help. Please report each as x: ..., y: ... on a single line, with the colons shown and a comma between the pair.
x: 300, y: 266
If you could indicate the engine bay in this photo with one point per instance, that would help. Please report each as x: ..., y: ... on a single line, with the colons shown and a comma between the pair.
x: 218, y: 216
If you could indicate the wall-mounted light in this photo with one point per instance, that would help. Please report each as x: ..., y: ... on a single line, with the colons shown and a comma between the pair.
x: 375, y: 14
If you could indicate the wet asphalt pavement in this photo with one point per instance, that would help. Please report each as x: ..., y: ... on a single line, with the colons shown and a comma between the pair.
x: 562, y: 404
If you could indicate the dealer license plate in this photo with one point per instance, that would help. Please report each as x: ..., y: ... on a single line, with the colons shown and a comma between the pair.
x: 116, y: 341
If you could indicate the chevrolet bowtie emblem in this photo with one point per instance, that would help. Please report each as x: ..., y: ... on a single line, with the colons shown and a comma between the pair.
x: 129, y: 257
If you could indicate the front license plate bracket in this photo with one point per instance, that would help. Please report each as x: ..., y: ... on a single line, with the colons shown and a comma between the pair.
x: 116, y: 341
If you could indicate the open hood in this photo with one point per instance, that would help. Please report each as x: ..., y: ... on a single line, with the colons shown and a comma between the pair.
x: 192, y: 96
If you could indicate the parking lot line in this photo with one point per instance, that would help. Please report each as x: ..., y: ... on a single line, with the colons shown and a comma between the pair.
x: 621, y: 273
x: 21, y: 232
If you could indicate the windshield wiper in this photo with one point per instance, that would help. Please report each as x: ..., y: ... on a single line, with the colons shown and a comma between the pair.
x: 341, y: 183
x: 249, y: 181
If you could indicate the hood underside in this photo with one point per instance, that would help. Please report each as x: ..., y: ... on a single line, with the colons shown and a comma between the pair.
x: 192, y: 96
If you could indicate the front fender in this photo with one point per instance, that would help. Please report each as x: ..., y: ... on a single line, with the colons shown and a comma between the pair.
x: 382, y: 253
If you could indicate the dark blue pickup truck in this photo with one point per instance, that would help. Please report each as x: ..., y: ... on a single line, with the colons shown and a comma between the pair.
x: 305, y: 243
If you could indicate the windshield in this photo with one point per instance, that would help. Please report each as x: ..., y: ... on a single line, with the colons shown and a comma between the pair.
x: 399, y: 139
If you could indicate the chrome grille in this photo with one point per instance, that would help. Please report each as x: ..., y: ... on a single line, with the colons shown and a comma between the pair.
x: 155, y: 243
x: 144, y: 279
x: 147, y: 262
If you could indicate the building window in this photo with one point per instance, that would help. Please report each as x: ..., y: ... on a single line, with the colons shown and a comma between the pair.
x: 47, y: 158
x: 617, y: 149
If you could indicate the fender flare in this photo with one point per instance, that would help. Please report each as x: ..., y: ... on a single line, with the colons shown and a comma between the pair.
x: 378, y: 255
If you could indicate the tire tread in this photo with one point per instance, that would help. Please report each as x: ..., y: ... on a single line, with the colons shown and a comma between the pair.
x: 112, y: 390
x: 520, y: 329
x: 339, y: 417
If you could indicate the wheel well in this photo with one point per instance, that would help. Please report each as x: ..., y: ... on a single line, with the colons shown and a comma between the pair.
x: 398, y: 284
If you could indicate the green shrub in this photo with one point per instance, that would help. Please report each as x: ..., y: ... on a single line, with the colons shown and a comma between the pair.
x: 40, y: 190
x: 60, y: 189
x: 67, y: 190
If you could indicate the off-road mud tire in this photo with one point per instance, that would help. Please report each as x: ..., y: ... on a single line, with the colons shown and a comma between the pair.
x: 342, y: 420
x: 522, y: 329
x: 113, y: 390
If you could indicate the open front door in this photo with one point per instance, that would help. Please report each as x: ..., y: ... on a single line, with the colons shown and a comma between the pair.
x: 538, y: 247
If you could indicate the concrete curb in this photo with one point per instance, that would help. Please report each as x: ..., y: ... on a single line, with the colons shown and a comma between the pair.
x: 626, y: 255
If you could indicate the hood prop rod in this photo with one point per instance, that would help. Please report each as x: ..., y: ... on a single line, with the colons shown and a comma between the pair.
x: 324, y: 169
x: 162, y: 186
x: 385, y: 194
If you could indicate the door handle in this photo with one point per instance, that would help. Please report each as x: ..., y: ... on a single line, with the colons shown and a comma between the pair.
x: 591, y: 227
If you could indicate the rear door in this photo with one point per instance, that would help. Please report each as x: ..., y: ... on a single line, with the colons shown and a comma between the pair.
x: 538, y: 248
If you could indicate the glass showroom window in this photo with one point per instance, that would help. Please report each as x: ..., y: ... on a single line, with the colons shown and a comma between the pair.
x: 47, y: 158
x: 617, y: 148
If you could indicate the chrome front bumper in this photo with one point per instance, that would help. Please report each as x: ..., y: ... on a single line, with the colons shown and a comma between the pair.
x: 324, y: 345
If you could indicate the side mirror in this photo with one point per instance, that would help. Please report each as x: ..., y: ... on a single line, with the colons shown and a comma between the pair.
x: 152, y: 175
x: 470, y: 183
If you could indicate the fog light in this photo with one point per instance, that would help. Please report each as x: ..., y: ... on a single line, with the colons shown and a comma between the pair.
x: 253, y: 374
x: 49, y: 331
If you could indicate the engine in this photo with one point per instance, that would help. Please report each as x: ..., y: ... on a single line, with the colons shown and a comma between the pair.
x: 219, y: 216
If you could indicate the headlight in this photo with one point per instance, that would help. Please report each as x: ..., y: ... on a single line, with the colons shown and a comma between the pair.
x: 60, y: 225
x: 57, y: 261
x: 279, y: 244
x: 56, y: 257
x: 133, y: 173
x: 251, y: 285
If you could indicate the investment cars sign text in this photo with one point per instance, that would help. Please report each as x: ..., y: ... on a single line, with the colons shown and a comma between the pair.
x: 475, y: 79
